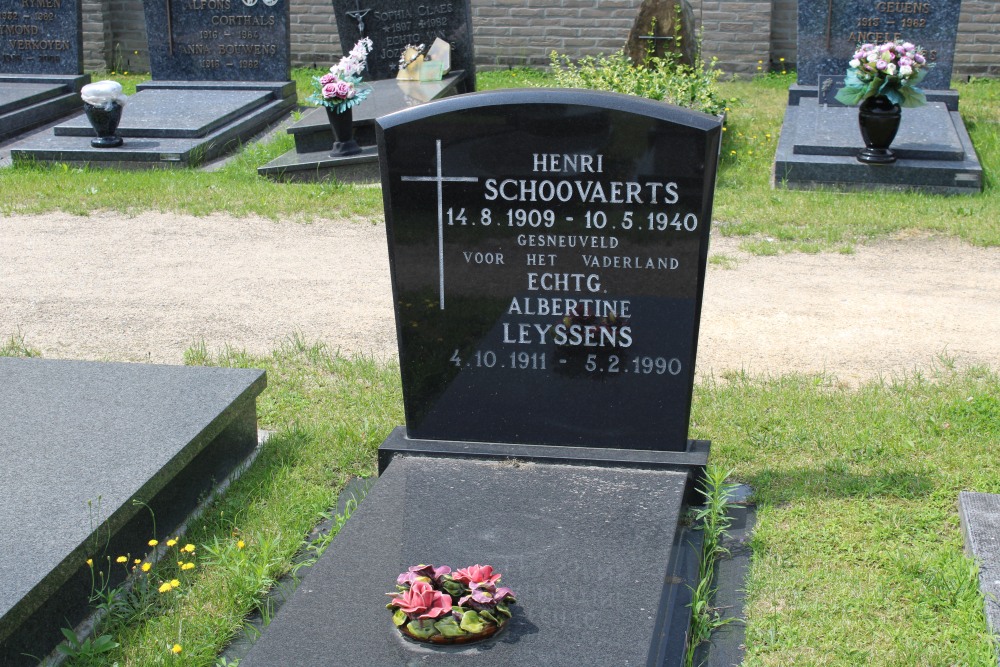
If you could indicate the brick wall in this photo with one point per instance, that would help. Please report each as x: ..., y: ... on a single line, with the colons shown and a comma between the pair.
x: 523, y: 32
x: 977, y: 50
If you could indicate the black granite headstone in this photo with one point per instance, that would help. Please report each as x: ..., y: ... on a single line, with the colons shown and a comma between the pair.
x: 218, y: 40
x: 41, y: 37
x: 830, y: 31
x: 392, y: 24
x: 548, y: 253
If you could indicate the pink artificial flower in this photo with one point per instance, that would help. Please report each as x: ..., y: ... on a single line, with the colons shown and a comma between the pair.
x: 327, y: 78
x: 344, y: 90
x: 330, y: 91
x: 476, y: 574
x: 423, y: 602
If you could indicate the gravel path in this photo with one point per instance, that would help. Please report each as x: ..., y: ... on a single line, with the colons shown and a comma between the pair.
x: 145, y: 288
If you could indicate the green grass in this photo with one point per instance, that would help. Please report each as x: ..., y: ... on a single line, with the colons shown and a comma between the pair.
x: 857, y: 551
x: 768, y: 221
x: 776, y: 220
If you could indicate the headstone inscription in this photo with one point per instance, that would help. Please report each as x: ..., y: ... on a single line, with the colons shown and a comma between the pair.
x: 41, y: 60
x: 829, y: 32
x: 393, y: 24
x: 218, y: 40
x: 559, y: 301
x: 41, y: 37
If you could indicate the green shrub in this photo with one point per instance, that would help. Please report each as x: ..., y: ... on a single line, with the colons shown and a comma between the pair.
x: 665, y: 78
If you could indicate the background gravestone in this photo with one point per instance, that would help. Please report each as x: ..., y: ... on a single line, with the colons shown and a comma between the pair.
x: 41, y: 60
x: 46, y: 39
x: 560, y: 300
x: 218, y: 40
x: 392, y: 24
x: 829, y: 33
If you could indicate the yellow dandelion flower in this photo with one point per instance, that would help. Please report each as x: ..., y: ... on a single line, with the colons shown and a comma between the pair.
x: 171, y: 543
x: 121, y: 559
x: 187, y: 566
x: 90, y: 562
x: 767, y: 136
x: 188, y: 548
x: 137, y: 561
x: 781, y: 60
x: 760, y: 62
x: 749, y: 152
x: 732, y: 152
x: 174, y: 583
x: 164, y: 588
x: 180, y: 563
x: 176, y: 648
x: 153, y: 543
x: 146, y: 567
x: 240, y: 544
x: 723, y: 129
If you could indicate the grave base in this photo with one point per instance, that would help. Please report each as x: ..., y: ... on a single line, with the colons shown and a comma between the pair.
x: 28, y: 101
x: 169, y: 124
x: 979, y: 514
x: 597, y: 555
x: 819, y: 143
x: 310, y: 160
x: 81, y: 442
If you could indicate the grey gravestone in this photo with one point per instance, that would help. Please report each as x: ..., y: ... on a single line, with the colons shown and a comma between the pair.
x: 392, y: 24
x: 41, y: 60
x: 218, y: 40
x: 979, y: 514
x: 41, y: 37
x: 544, y: 443
x: 829, y: 33
x: 79, y: 442
x: 564, y: 282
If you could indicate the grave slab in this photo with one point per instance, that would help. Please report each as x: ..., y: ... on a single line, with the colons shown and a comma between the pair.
x: 979, y: 514
x: 310, y: 160
x: 817, y: 146
x: 160, y: 132
x: 79, y: 443
x: 176, y: 114
x: 600, y: 571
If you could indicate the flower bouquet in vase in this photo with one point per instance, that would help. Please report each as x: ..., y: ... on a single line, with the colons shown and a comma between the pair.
x: 340, y: 90
x: 434, y: 604
x: 883, y: 78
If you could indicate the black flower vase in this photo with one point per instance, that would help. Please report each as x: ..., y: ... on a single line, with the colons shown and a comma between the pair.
x: 343, y: 133
x: 104, y: 120
x: 879, y: 120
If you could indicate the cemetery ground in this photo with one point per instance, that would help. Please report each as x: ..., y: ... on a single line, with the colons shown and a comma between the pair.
x: 855, y: 470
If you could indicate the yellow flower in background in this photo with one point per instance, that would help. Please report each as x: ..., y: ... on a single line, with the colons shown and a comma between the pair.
x: 164, y: 588
x: 171, y: 543
x: 187, y: 566
x: 188, y: 548
x: 121, y: 559
x: 146, y: 567
x: 153, y: 543
x: 174, y: 583
x: 137, y: 561
x: 90, y: 562
x: 176, y: 648
x: 240, y: 544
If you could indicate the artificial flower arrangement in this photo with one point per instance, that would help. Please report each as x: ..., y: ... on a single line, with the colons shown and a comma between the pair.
x: 891, y: 70
x: 434, y: 604
x: 341, y: 88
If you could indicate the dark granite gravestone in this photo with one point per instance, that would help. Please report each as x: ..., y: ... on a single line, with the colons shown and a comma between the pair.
x: 820, y: 136
x: 221, y: 73
x: 41, y: 61
x: 548, y: 252
x: 218, y: 40
x: 829, y: 34
x: 393, y: 24
x: 80, y: 442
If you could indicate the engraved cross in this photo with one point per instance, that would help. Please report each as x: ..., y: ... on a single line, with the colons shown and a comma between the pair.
x: 440, y: 179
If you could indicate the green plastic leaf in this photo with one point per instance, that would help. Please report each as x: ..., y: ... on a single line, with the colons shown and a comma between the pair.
x: 399, y: 617
x: 850, y: 95
x: 422, y: 629
x: 487, y: 616
x: 503, y: 609
x: 453, y: 588
x: 449, y: 627
x: 471, y: 622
